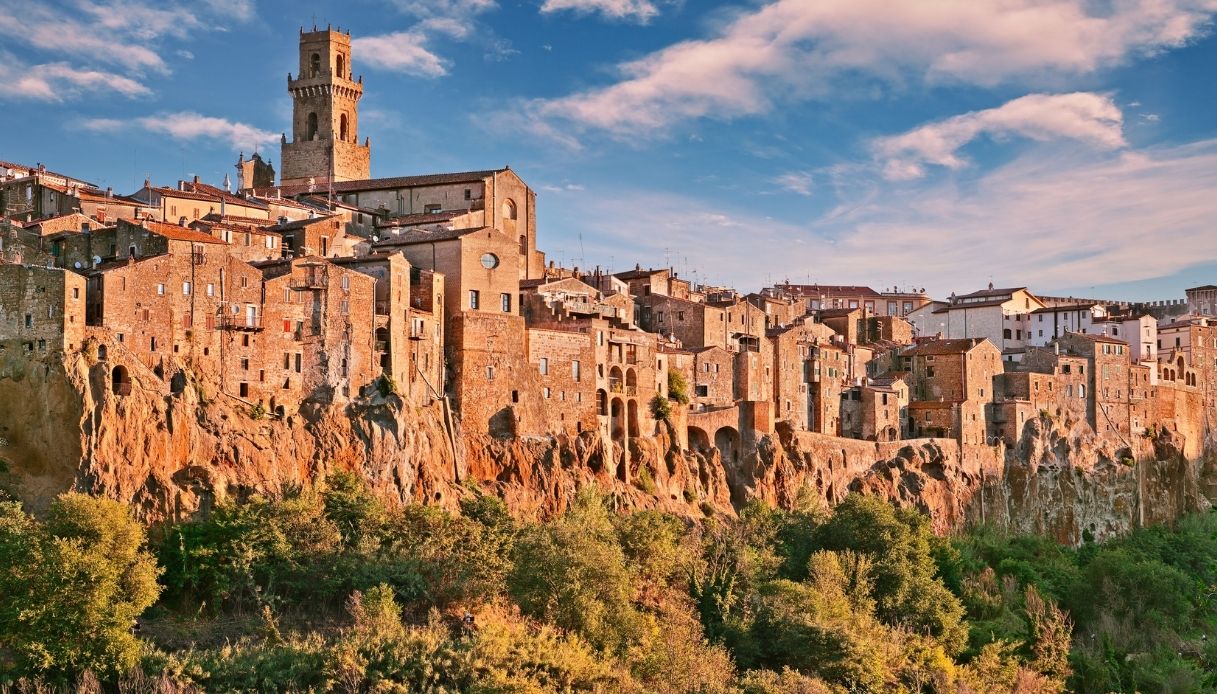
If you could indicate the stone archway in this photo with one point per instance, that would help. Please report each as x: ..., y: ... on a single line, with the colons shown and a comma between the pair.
x: 120, y: 380
x: 632, y: 410
x: 726, y: 440
x: 699, y: 440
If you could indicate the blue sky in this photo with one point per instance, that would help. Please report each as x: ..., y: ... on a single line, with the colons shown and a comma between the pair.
x: 1068, y: 145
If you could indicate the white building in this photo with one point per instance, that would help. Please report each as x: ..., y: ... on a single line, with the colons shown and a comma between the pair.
x: 1051, y: 322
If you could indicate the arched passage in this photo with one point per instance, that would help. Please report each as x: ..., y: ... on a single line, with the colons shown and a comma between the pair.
x: 632, y: 407
x: 699, y: 440
x: 726, y: 440
x: 310, y: 131
x: 314, y: 65
x: 384, y: 347
x: 601, y: 402
x: 616, y: 384
x: 631, y: 382
x: 617, y: 420
x: 120, y: 380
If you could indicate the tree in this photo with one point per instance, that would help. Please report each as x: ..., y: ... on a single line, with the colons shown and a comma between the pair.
x: 907, y: 591
x: 73, y: 586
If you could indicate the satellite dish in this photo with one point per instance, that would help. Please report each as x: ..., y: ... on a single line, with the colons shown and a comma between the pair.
x: 97, y: 260
x: 76, y: 265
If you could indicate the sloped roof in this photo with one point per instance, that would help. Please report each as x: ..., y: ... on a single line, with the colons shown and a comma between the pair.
x: 178, y: 233
x: 954, y: 346
x: 394, y: 182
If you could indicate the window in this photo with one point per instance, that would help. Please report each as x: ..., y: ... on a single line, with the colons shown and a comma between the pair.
x: 509, y: 209
x: 505, y: 302
x: 299, y: 362
x: 545, y: 392
x: 489, y: 373
x: 346, y: 283
x: 432, y: 208
x: 29, y: 320
x: 245, y: 364
x: 474, y: 299
x: 315, y: 65
x: 703, y: 390
x: 1006, y: 333
x: 490, y: 261
x: 575, y: 371
x: 211, y: 290
x: 152, y: 344
x: 160, y: 290
x: 544, y: 366
x: 929, y: 372
x: 342, y: 127
x: 310, y: 132
x: 185, y: 289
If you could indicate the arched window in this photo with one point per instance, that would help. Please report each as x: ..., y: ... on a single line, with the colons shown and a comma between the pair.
x: 120, y: 380
x: 509, y: 209
x: 342, y: 66
x: 311, y: 130
x: 342, y: 126
x: 523, y: 244
x: 315, y: 65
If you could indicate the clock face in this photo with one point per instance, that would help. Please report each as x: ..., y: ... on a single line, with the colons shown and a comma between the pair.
x: 490, y: 261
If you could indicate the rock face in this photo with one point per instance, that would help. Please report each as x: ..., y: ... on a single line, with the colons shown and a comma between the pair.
x: 176, y: 451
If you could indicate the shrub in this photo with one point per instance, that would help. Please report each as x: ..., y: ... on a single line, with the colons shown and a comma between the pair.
x: 678, y: 387
x: 661, y: 407
x: 73, y: 586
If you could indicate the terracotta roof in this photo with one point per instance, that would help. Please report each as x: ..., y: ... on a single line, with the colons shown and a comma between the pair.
x: 1094, y: 338
x: 971, y: 304
x: 397, y: 182
x: 424, y: 236
x: 991, y: 292
x: 640, y: 273
x: 34, y: 170
x: 165, y: 191
x: 221, y: 194
x: 957, y: 346
x: 836, y: 312
x: 177, y: 233
x: 828, y: 289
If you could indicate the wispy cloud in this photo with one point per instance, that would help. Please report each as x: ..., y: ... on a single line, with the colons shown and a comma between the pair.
x: 191, y: 126
x: 795, y: 48
x: 637, y: 10
x: 798, y: 182
x: 1091, y: 118
x: 563, y: 188
x: 57, y: 82
x: 403, y: 51
x: 101, y: 37
x: 1046, y: 219
x: 408, y: 51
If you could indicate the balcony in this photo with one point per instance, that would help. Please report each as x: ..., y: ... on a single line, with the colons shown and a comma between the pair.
x: 240, y: 323
x: 307, y: 283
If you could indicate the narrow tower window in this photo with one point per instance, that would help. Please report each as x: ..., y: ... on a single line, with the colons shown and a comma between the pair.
x: 342, y: 126
x: 315, y: 65
x: 342, y: 66
x: 311, y: 133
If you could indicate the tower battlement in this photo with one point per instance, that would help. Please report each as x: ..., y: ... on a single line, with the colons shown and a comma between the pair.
x: 324, y: 145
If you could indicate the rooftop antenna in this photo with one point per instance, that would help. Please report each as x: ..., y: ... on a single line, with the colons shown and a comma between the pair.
x: 582, y: 256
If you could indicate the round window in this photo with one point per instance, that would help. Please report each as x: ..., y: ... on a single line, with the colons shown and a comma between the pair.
x: 490, y: 261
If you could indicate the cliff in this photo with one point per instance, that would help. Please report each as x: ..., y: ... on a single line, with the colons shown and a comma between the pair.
x: 172, y: 454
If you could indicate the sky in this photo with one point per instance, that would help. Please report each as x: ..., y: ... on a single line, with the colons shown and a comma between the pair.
x: 1065, y: 145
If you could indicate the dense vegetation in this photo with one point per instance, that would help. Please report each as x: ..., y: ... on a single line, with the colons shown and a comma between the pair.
x: 330, y: 590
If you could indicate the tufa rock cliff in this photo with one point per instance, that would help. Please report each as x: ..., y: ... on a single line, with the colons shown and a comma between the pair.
x: 176, y: 449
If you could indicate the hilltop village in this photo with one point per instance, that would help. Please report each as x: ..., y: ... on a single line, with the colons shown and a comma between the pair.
x: 328, y: 286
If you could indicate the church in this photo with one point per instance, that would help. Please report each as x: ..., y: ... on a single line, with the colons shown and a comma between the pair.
x: 324, y: 160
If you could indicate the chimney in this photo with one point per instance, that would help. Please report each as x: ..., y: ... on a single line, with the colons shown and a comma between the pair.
x: 147, y: 183
x: 109, y: 191
x: 196, y: 179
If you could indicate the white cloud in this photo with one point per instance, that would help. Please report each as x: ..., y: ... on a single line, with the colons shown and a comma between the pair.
x: 1083, y: 116
x: 798, y: 182
x: 407, y: 51
x: 403, y: 51
x: 795, y: 48
x: 564, y: 188
x: 57, y: 82
x: 192, y: 126
x: 1046, y: 220
x: 639, y: 10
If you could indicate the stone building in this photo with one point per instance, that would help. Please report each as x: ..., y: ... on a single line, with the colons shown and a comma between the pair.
x: 712, y: 380
x: 1202, y: 301
x: 325, y: 115
x: 951, y: 385
x: 1109, y: 380
x: 41, y: 310
x: 827, y: 364
x: 1001, y: 316
x: 1051, y: 322
x: 876, y: 411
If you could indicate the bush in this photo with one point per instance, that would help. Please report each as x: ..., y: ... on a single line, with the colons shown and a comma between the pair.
x: 678, y: 387
x: 72, y: 587
x: 661, y: 407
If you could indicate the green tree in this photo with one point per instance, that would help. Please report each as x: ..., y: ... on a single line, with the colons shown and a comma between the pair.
x: 899, y: 543
x: 572, y: 572
x: 73, y: 586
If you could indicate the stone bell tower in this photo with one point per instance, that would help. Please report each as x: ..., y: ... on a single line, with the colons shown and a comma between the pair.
x: 325, y: 114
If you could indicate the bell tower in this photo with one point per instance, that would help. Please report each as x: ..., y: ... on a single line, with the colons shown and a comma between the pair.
x: 325, y: 114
